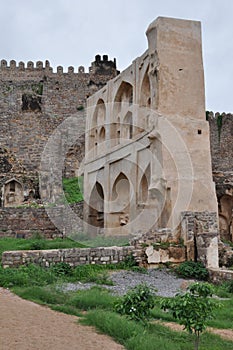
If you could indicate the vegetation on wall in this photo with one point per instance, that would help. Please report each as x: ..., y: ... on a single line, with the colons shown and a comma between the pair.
x: 73, y: 189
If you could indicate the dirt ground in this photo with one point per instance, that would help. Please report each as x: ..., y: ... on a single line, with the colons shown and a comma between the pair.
x: 27, y: 326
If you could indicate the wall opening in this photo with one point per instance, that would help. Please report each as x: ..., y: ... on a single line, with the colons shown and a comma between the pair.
x: 96, y: 206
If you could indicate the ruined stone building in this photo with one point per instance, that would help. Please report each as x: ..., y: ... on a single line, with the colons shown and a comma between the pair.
x: 147, y: 159
x: 151, y: 153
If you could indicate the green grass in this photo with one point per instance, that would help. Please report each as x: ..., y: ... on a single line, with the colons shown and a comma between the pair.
x: 42, y: 285
x: 134, y: 336
x: 37, y: 243
x: 93, y: 298
x: 100, y: 241
x: 34, y: 275
x: 73, y: 189
x: 41, y: 295
x: 26, y: 276
x: 223, y: 315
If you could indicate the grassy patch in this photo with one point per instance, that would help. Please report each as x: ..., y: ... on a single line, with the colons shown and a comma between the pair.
x: 34, y: 275
x: 223, y: 315
x: 37, y: 243
x: 100, y: 241
x: 41, y: 295
x: 73, y: 189
x: 26, y: 276
x: 155, y: 336
x: 93, y: 298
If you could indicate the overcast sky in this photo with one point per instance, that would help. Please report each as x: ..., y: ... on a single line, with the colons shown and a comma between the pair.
x: 72, y: 32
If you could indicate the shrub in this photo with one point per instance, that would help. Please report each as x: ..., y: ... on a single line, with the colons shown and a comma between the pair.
x: 192, y: 269
x: 62, y: 269
x: 137, y: 303
x: 37, y: 245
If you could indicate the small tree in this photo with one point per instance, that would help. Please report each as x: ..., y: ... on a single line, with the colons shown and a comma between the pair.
x: 192, y: 308
x: 137, y: 303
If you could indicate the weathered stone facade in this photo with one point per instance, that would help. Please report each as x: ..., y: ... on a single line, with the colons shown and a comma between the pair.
x: 147, y: 138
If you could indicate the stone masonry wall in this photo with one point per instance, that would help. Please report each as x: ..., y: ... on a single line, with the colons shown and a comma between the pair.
x: 221, y: 142
x: 73, y: 256
x: 26, y: 221
x: 199, y: 230
x: 35, y: 100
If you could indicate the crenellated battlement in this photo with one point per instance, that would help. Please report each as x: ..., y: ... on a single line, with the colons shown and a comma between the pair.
x: 98, y: 67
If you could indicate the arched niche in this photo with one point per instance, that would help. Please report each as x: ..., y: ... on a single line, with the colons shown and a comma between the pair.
x: 102, y: 135
x: 145, y: 93
x: 121, y: 199
x: 97, y: 122
x: 13, y: 193
x: 96, y: 206
x: 123, y: 97
x: 143, y: 193
x: 99, y: 114
x: 127, y: 126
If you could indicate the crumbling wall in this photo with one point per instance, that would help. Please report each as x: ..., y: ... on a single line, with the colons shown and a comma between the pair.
x: 199, y: 230
x: 221, y: 142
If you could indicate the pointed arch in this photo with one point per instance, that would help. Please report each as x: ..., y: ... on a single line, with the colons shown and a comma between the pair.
x: 97, y: 122
x: 144, y: 185
x: 12, y: 193
x: 123, y: 97
x: 96, y: 206
x: 121, y: 195
x: 99, y: 114
x: 127, y: 127
x: 145, y: 93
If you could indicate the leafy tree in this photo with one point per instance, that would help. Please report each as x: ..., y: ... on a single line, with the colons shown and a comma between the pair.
x: 192, y: 308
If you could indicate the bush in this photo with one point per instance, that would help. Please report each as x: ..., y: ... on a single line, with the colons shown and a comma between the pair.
x: 137, y: 303
x: 62, y: 269
x: 37, y: 245
x: 192, y: 269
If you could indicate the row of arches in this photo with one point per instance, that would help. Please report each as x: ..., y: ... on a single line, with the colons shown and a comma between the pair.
x: 121, y: 124
x: 119, y: 202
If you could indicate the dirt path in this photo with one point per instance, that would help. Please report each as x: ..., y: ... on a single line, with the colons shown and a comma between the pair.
x: 27, y: 326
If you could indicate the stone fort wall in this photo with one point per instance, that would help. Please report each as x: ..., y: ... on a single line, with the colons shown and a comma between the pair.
x: 34, y: 100
x: 221, y: 142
